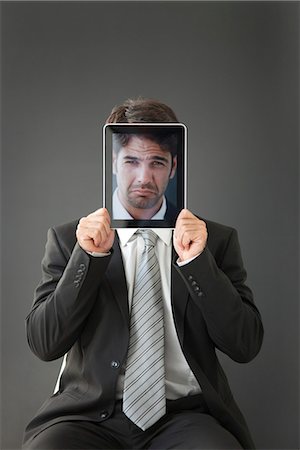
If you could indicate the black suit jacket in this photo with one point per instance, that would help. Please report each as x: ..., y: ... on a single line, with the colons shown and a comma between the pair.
x: 81, y: 308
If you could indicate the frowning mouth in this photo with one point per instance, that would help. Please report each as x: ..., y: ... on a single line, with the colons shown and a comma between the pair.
x: 143, y: 192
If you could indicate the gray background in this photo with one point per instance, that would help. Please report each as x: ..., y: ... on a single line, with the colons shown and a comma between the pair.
x: 230, y: 71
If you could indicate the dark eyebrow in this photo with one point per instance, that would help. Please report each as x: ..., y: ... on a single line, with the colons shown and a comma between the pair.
x: 153, y: 158
x: 131, y: 158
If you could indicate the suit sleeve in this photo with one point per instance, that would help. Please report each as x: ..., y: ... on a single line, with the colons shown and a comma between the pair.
x: 63, y: 299
x: 225, y: 301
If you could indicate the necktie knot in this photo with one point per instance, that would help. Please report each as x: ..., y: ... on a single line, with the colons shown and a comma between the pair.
x: 150, y: 238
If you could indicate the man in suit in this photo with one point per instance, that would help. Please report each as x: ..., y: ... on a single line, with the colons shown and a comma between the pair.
x: 84, y: 306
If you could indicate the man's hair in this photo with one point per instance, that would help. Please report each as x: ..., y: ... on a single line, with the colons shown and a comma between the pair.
x: 143, y: 110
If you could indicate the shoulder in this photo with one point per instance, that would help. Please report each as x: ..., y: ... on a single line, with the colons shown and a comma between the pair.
x: 219, y: 236
x: 65, y: 229
x: 218, y: 230
x: 64, y: 234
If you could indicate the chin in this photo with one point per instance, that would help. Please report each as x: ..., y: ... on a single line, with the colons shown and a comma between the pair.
x: 143, y: 204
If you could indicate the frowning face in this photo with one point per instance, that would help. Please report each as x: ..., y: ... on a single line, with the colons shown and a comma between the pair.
x: 143, y: 170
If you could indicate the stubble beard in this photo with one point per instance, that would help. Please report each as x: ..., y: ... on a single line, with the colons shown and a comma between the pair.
x: 143, y: 202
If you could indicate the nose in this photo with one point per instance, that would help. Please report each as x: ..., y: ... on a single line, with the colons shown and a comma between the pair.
x: 144, y: 175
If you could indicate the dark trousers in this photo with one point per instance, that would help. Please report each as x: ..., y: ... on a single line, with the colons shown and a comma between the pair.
x: 181, y: 428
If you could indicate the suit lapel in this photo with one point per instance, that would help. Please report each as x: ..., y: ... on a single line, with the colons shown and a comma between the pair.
x: 116, y: 277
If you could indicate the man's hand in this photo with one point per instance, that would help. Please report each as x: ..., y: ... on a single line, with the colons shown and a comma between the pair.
x: 94, y: 233
x: 190, y: 235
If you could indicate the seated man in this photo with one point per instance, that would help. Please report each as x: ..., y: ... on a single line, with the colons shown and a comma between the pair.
x: 140, y: 314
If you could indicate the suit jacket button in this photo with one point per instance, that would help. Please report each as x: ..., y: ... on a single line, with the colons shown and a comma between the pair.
x: 103, y: 414
x: 196, y: 289
x: 82, y: 267
x: 200, y: 294
x: 190, y: 277
x: 115, y: 364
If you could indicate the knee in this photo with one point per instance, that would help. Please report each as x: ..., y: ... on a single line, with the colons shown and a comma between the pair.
x: 52, y: 438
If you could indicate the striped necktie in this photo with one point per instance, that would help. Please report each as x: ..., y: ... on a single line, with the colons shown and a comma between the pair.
x: 144, y: 400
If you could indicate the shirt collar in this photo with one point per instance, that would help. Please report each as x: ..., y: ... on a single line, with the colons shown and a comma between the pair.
x: 125, y: 234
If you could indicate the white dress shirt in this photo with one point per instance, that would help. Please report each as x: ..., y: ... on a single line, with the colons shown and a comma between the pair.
x: 180, y: 380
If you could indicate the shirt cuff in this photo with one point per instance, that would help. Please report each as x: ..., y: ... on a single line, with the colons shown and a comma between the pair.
x: 183, y: 263
x: 98, y: 254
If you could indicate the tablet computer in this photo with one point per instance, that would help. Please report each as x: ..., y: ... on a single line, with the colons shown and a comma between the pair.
x: 144, y: 173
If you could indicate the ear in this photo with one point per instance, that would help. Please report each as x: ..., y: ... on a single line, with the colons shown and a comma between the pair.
x: 174, y: 166
x: 114, y: 163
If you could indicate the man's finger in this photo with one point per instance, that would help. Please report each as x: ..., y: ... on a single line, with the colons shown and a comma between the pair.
x: 185, y: 213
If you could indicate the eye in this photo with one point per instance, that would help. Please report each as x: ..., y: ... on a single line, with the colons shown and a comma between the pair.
x: 158, y: 164
x: 131, y: 162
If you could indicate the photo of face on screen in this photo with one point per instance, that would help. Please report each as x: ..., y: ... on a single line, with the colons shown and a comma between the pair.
x: 144, y: 174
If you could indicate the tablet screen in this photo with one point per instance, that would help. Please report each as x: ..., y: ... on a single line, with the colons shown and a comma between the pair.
x: 144, y: 174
